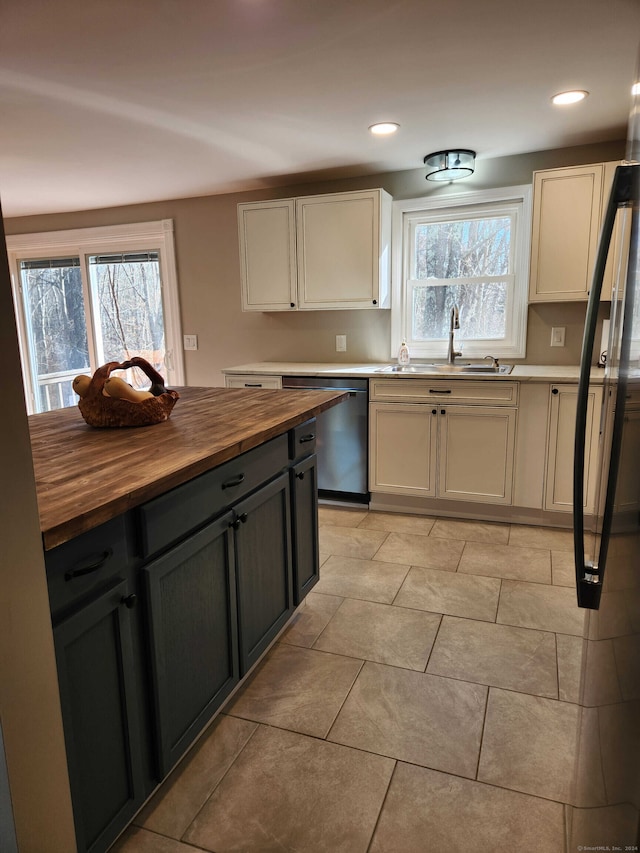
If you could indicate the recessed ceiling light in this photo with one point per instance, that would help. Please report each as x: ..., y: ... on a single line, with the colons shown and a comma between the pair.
x: 384, y: 128
x: 635, y: 89
x: 569, y: 97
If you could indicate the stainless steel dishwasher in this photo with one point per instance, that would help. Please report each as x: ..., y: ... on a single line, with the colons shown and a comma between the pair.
x: 341, y: 438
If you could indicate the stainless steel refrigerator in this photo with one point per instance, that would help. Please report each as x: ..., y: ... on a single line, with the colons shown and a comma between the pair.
x: 606, y: 804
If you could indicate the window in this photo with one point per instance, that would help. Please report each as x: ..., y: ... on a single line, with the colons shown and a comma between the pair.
x: 469, y: 251
x: 90, y: 296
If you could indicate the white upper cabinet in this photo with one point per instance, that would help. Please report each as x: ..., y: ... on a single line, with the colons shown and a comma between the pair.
x: 566, y: 221
x: 316, y: 252
x: 267, y: 233
x: 568, y: 210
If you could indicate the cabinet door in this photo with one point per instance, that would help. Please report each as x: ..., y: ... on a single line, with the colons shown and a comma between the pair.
x: 267, y: 238
x: 562, y: 427
x: 402, y: 448
x: 475, y: 459
x: 263, y: 567
x: 338, y: 250
x: 628, y: 485
x: 96, y: 673
x: 616, y: 268
x: 566, y: 224
x: 193, y: 631
x: 304, y: 493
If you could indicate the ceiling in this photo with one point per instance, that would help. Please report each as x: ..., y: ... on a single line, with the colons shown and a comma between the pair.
x: 111, y: 102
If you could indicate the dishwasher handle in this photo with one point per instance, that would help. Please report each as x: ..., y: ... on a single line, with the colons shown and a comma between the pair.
x: 350, y: 391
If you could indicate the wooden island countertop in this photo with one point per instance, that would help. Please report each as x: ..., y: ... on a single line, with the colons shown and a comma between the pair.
x: 86, y: 476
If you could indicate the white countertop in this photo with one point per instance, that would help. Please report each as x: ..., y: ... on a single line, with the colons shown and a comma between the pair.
x: 520, y: 372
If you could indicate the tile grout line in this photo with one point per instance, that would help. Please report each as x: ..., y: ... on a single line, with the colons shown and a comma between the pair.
x: 342, y: 704
x: 484, y: 724
x: 155, y: 832
x: 382, y: 805
x: 433, y: 645
x: 220, y: 780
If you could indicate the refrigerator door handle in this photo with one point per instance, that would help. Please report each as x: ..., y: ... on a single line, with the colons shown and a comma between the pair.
x: 589, y: 575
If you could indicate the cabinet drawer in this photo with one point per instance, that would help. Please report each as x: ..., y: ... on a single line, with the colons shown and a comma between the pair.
x: 77, y: 568
x: 246, y: 381
x: 169, y: 517
x: 302, y: 440
x: 495, y: 392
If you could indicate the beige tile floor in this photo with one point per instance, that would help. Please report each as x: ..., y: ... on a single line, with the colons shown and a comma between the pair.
x: 422, y: 699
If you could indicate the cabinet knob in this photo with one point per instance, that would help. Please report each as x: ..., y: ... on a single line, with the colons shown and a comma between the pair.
x: 443, y: 411
x: 375, y: 301
x: 554, y: 391
x: 129, y: 601
x: 293, y: 304
x: 300, y: 475
x: 434, y: 411
x: 241, y: 519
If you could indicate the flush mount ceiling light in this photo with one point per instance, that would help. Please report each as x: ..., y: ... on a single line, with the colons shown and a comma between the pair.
x: 384, y: 128
x: 450, y: 165
x: 563, y: 98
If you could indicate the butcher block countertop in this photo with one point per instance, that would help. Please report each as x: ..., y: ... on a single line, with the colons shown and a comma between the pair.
x: 86, y: 476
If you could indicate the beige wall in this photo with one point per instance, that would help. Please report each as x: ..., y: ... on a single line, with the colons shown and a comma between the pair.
x: 209, y: 273
x: 29, y: 701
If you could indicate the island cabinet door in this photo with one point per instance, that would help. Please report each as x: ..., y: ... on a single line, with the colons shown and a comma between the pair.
x: 96, y: 674
x: 304, y: 504
x: 262, y: 532
x: 193, y: 636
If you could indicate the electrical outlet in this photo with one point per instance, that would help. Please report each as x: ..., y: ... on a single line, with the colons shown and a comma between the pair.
x: 190, y: 342
x: 557, y: 336
x: 341, y: 343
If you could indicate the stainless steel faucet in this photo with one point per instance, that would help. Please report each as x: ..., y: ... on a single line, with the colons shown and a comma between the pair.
x: 453, y: 325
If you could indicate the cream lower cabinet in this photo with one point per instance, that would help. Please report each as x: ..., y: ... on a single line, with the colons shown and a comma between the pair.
x: 442, y: 450
x: 402, y: 448
x: 558, y: 494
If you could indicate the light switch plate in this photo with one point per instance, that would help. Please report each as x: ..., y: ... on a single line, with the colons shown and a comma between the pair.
x: 557, y: 336
x: 341, y: 343
x: 190, y: 342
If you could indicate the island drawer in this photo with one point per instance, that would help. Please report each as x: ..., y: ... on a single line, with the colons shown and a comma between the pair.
x: 494, y: 392
x: 78, y: 568
x: 302, y: 440
x: 170, y: 517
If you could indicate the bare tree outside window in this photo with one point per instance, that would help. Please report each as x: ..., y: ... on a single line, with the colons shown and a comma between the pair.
x: 126, y: 296
x: 56, y: 328
x: 464, y: 263
x: 130, y: 320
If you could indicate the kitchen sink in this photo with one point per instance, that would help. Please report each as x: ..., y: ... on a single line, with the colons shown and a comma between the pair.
x: 468, y: 367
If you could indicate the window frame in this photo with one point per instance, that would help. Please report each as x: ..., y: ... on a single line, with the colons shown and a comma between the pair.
x: 515, y: 201
x: 83, y: 242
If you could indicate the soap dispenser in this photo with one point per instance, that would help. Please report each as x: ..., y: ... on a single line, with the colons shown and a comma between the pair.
x: 403, y: 354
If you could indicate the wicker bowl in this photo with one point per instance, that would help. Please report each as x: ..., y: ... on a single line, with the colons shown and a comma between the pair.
x: 99, y: 410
